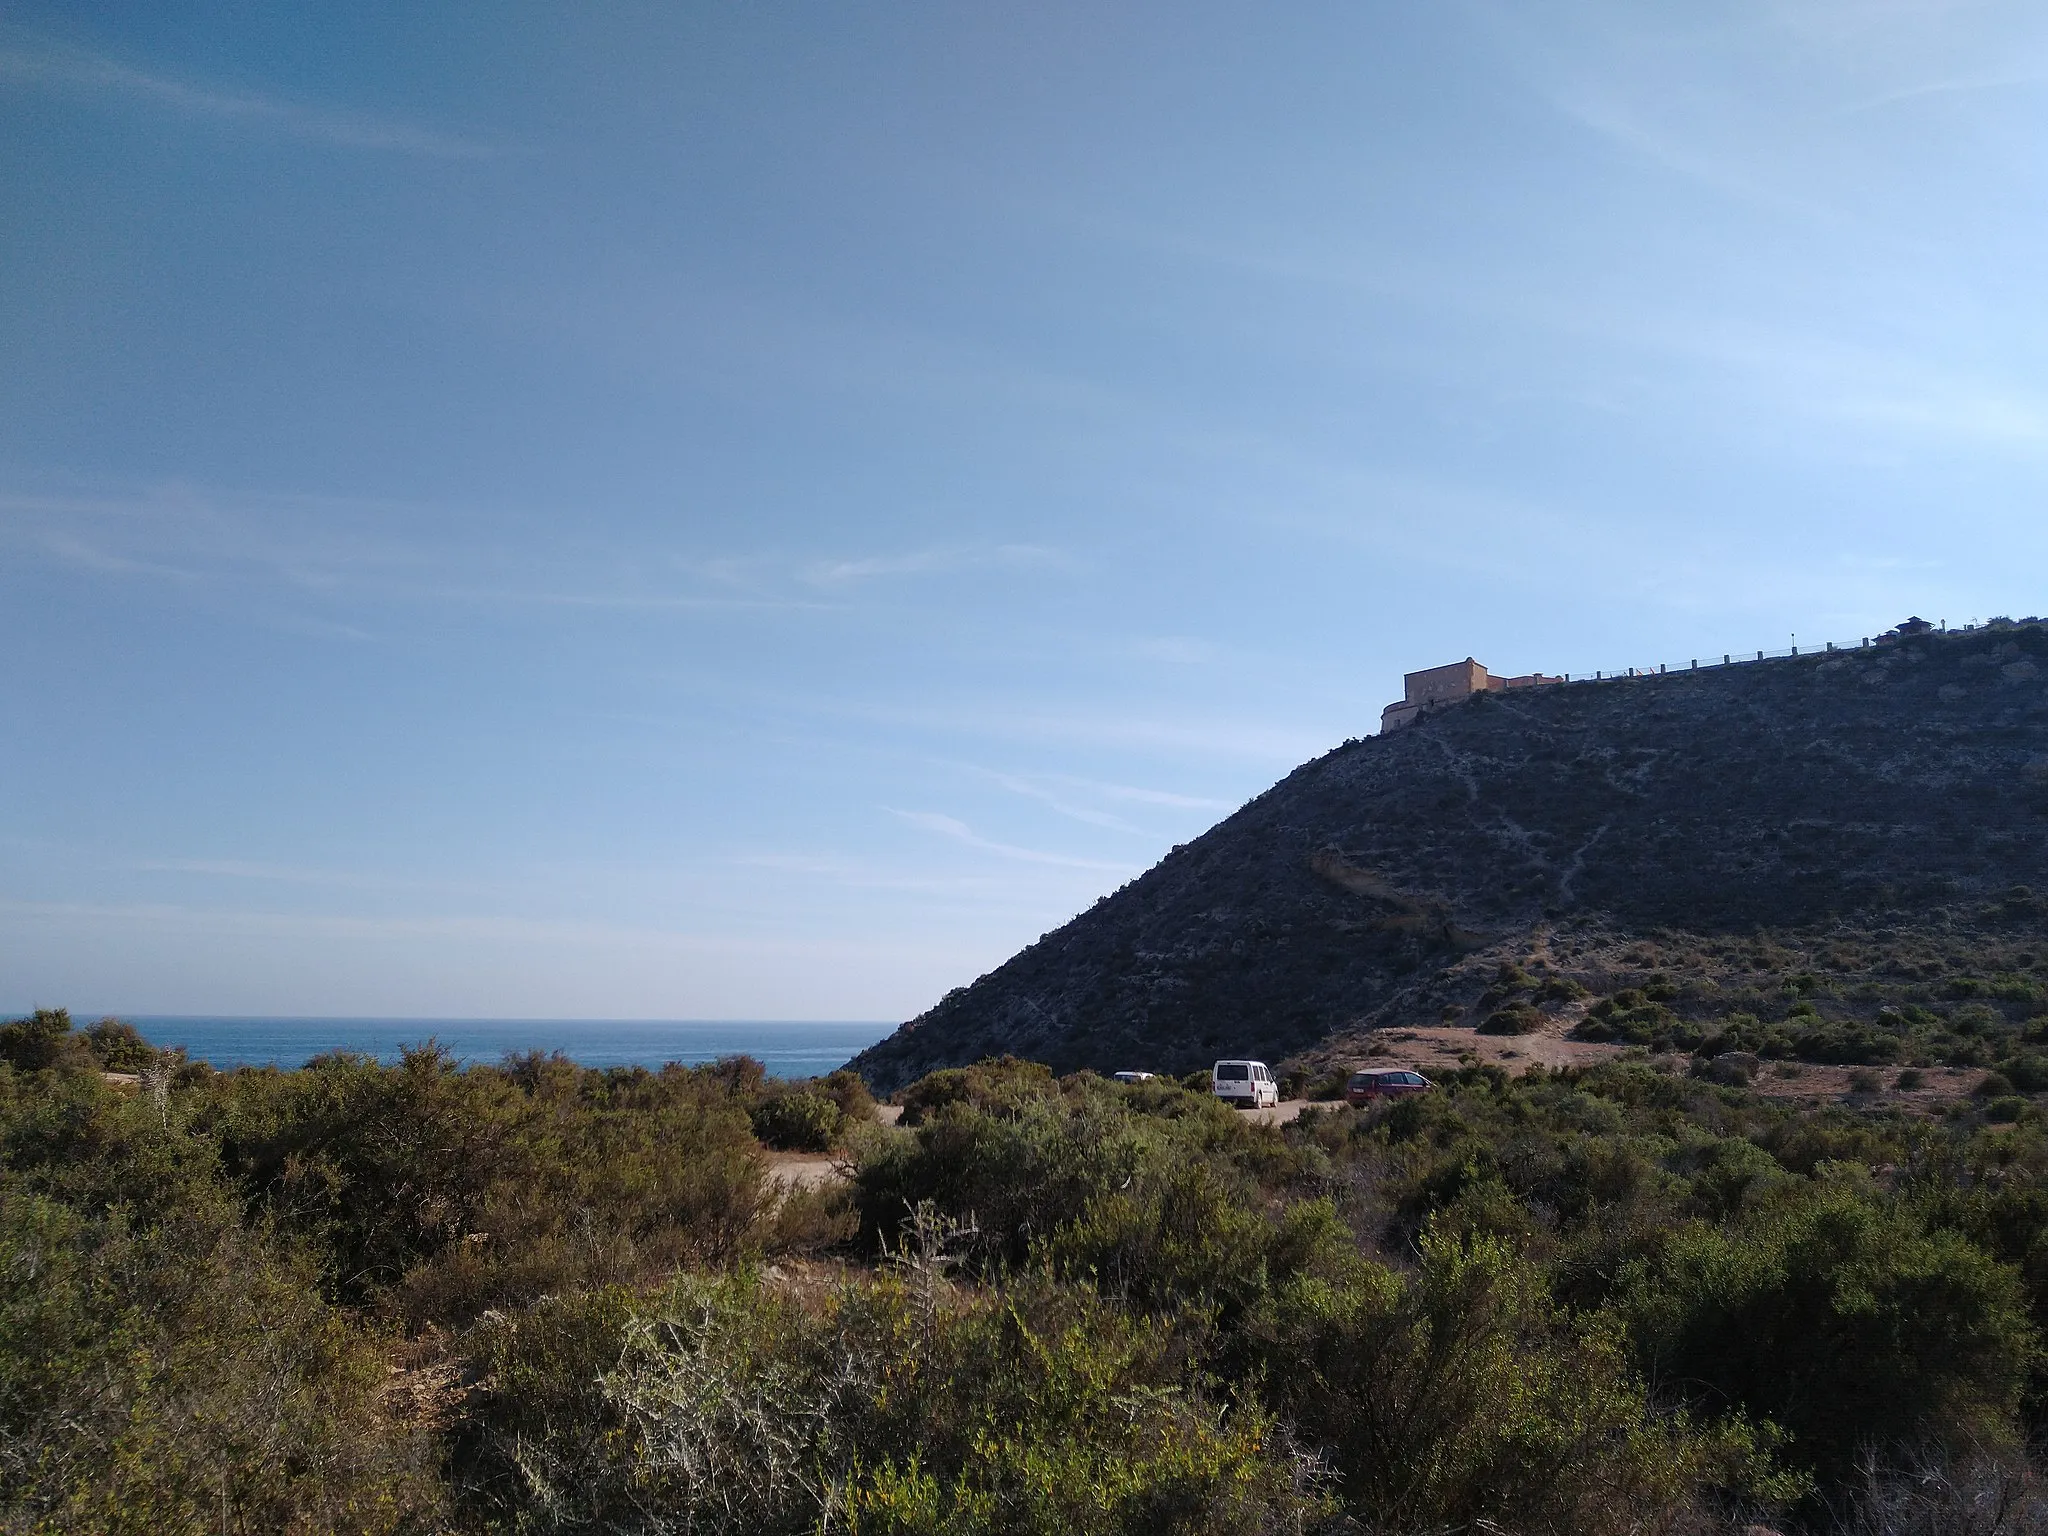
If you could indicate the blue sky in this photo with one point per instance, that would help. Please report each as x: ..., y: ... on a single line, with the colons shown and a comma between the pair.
x: 761, y: 511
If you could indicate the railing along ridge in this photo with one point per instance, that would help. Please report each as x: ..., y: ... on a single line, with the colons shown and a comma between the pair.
x: 1746, y: 659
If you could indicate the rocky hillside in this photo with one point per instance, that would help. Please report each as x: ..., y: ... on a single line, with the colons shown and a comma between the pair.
x: 1831, y: 856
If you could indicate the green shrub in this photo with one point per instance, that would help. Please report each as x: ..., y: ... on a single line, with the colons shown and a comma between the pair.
x: 118, y: 1047
x: 1725, y: 1175
x: 184, y: 1378
x: 1023, y: 1169
x: 442, y: 1192
x: 798, y: 1122
x: 850, y: 1092
x: 1016, y: 1176
x: 882, y: 1407
x: 998, y: 1083
x: 1316, y: 1087
x: 2027, y: 1072
x: 1838, y: 1320
x: 1185, y: 1235
x: 1466, y: 1396
x: 1844, y: 1044
x: 1631, y: 1018
x: 1518, y: 1019
x: 100, y: 1150
x: 810, y: 1219
x: 42, y: 1041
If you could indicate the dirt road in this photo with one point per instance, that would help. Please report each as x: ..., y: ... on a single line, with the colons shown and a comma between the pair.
x: 801, y: 1170
x: 1278, y: 1114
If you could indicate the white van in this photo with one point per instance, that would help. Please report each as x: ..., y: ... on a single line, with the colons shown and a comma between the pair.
x: 1245, y: 1084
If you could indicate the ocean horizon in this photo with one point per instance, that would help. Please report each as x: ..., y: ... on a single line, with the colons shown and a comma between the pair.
x: 787, y: 1048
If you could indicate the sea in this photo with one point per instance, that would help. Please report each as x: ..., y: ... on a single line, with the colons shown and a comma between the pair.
x: 806, y: 1049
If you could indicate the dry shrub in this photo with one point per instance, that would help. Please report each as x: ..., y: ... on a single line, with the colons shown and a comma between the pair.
x: 1930, y: 1492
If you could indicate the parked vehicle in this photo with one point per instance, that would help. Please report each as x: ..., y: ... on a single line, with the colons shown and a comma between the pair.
x: 1132, y: 1077
x: 1246, y: 1084
x: 1376, y: 1083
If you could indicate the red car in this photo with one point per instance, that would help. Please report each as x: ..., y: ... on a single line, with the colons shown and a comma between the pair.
x: 1376, y: 1083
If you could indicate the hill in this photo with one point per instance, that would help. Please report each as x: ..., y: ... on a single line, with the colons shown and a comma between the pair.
x: 1830, y: 856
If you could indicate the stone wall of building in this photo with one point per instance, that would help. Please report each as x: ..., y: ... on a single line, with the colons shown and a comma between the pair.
x: 1436, y: 687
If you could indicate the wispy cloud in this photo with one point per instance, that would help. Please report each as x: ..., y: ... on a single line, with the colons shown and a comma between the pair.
x: 1269, y: 743
x: 1064, y: 792
x: 960, y: 832
x: 1645, y: 140
x: 247, y: 869
x: 187, y: 534
x: 63, y: 68
x: 292, y: 874
x: 73, y: 550
x: 1145, y: 796
x: 857, y: 875
x: 829, y: 573
x: 317, y: 628
x: 512, y: 931
x: 1856, y: 385
x: 341, y: 548
x: 233, y: 872
x: 365, y: 549
x: 1973, y: 85
x: 1064, y: 805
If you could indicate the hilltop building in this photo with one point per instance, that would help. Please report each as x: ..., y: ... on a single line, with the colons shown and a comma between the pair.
x: 1440, y: 686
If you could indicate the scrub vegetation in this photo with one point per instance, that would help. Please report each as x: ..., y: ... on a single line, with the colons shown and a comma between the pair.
x: 537, y: 1298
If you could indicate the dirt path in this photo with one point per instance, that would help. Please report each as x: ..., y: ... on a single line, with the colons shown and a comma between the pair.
x: 816, y: 1170
x: 804, y: 1170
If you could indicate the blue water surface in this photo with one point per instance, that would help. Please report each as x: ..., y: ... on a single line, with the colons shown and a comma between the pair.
x: 786, y: 1049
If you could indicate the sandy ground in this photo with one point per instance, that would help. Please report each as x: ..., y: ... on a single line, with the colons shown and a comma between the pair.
x: 1279, y: 1114
x: 815, y: 1170
x: 805, y: 1170
x: 1424, y: 1047
x: 1796, y: 1082
x: 1811, y: 1085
